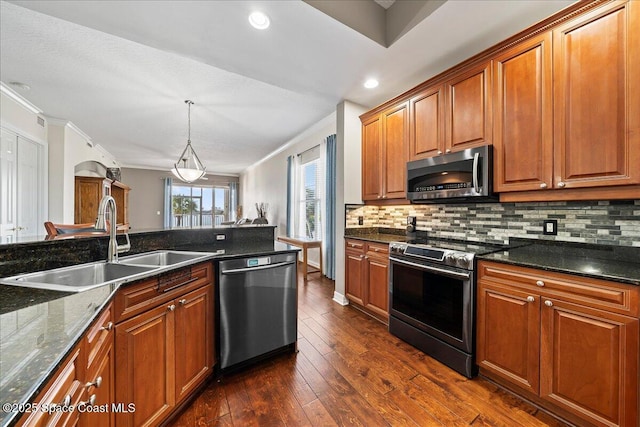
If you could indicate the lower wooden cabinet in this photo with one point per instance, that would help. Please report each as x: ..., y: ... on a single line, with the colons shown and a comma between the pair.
x: 166, y: 350
x: 570, y: 344
x: 367, y: 276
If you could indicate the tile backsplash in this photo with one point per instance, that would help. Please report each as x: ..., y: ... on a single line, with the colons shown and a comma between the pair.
x: 601, y: 222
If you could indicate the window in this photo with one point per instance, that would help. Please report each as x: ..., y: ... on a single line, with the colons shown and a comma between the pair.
x: 197, y: 205
x: 311, y: 179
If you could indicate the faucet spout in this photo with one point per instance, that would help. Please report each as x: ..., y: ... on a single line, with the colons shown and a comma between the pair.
x: 109, y: 203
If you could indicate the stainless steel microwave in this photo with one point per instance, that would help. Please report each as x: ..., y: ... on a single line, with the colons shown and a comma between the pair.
x: 463, y: 176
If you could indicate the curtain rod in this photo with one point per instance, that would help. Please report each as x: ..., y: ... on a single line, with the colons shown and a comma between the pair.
x: 308, y: 149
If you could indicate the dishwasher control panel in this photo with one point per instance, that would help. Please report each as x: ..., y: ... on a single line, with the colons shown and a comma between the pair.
x: 254, y: 262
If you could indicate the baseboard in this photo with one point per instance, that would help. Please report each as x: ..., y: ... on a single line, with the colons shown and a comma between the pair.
x: 340, y: 299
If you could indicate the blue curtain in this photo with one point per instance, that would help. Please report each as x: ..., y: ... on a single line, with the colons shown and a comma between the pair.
x: 290, y: 174
x: 330, y: 214
x: 167, y: 202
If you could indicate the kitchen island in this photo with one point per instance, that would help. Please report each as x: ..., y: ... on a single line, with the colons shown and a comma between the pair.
x: 41, y: 328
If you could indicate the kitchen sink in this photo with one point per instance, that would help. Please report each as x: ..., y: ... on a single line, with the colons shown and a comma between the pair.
x: 79, y: 278
x: 163, y: 258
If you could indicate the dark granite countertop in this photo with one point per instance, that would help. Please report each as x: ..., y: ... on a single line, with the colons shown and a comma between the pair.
x: 40, y: 327
x: 616, y: 263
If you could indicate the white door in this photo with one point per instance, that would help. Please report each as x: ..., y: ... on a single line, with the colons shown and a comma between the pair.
x: 23, y: 189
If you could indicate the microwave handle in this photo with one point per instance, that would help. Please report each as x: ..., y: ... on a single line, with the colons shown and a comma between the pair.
x: 476, y: 159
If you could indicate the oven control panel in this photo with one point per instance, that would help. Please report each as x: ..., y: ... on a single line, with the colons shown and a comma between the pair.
x: 423, y: 253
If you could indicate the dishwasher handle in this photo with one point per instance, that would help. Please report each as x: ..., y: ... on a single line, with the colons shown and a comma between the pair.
x: 259, y: 267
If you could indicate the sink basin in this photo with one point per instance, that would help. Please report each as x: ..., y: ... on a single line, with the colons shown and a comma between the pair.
x: 79, y: 278
x: 162, y: 258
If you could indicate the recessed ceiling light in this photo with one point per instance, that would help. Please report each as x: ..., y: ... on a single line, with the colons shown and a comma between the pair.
x: 371, y: 83
x: 259, y: 20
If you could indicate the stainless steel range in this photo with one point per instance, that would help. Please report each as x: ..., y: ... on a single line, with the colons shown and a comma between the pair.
x: 432, y: 298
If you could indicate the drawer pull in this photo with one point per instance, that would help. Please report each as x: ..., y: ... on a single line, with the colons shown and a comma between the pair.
x: 90, y: 402
x: 95, y: 384
x: 548, y: 303
x: 530, y: 299
x: 66, y: 401
x: 543, y: 185
x: 171, y: 307
x: 183, y: 301
x: 540, y: 283
x: 107, y: 327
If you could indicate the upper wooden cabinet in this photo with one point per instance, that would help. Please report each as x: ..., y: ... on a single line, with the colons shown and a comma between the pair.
x: 523, y: 132
x: 568, y: 109
x: 384, y: 154
x: 468, y: 120
x: 452, y: 116
x: 597, y: 98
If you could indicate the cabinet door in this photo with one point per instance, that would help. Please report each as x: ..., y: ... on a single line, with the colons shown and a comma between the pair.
x: 395, y: 145
x: 468, y: 106
x: 508, y: 332
x: 102, y: 378
x: 597, y: 98
x: 426, y: 124
x: 589, y: 363
x: 355, y: 276
x: 377, y: 292
x: 523, y: 131
x: 372, y: 159
x: 194, y: 340
x: 88, y: 193
x: 145, y: 366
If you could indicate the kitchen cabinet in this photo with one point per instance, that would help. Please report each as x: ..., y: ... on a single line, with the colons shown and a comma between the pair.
x: 523, y: 128
x: 569, y: 343
x: 164, y: 342
x: 367, y: 276
x: 62, y: 391
x: 568, y: 110
x: 452, y: 116
x: 468, y: 119
x: 88, y: 193
x: 384, y: 154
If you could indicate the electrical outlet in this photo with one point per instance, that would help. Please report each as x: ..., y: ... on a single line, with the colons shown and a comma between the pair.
x: 221, y: 237
x: 550, y: 227
x: 360, y: 220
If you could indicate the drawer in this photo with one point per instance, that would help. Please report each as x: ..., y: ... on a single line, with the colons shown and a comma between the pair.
x: 595, y: 293
x: 63, y: 388
x: 355, y: 244
x: 98, y: 336
x: 377, y: 249
x: 146, y: 294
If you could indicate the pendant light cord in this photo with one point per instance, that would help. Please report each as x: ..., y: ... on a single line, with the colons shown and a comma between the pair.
x: 189, y: 103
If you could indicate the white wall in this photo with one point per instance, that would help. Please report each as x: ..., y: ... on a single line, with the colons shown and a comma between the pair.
x: 68, y: 146
x: 266, y: 181
x: 348, y: 181
x: 18, y: 119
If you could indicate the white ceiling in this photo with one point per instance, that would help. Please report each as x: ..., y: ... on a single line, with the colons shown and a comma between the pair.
x: 121, y: 70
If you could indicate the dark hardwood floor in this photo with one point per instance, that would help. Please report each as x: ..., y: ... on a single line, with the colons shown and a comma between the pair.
x: 350, y: 371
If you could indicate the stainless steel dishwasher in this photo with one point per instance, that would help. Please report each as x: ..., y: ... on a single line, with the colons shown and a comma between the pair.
x: 258, y: 307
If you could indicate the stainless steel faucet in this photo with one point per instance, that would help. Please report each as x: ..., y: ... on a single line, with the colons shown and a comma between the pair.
x: 108, y: 202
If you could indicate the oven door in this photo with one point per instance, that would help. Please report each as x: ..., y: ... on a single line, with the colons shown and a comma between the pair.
x: 436, y: 299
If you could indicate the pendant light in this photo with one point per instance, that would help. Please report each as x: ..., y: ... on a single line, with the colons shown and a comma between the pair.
x: 188, y: 168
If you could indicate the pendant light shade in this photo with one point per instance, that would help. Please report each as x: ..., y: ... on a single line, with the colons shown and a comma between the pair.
x: 189, y: 168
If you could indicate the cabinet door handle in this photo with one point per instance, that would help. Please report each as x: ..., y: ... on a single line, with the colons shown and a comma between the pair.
x: 530, y: 299
x: 66, y: 401
x: 561, y: 184
x: 379, y: 197
x: 95, y: 384
x: 183, y: 301
x: 448, y: 150
x: 548, y: 303
x: 172, y: 307
x: 384, y: 197
x: 543, y: 185
x: 540, y: 283
x: 107, y: 327
x: 439, y: 152
x: 90, y: 402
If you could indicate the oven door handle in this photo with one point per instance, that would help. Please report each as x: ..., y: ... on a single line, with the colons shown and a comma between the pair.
x: 442, y: 271
x: 476, y: 178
